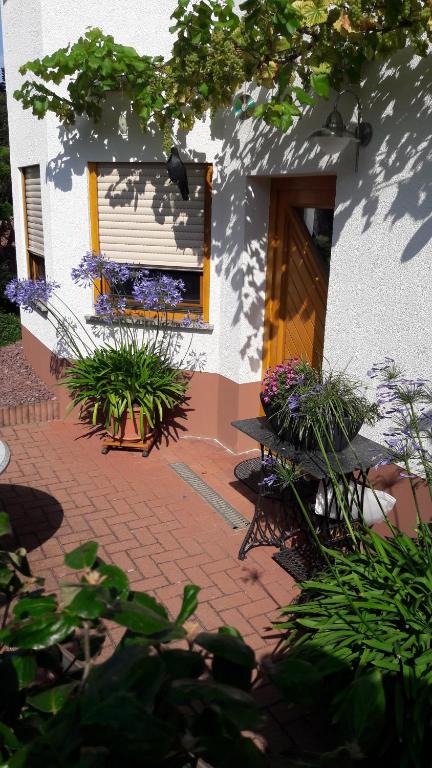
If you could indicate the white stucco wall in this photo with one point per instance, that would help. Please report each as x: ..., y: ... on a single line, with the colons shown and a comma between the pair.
x: 380, y: 280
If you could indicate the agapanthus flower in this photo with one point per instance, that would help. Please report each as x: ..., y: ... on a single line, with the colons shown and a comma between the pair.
x: 28, y: 293
x: 158, y: 293
x: 110, y: 306
x: 94, y: 266
x: 89, y: 269
x: 269, y: 480
x: 116, y: 273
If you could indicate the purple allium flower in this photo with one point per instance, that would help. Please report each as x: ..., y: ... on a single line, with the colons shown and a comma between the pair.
x: 27, y: 293
x: 186, y: 322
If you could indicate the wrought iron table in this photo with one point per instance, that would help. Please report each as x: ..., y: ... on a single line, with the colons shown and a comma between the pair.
x: 278, y: 517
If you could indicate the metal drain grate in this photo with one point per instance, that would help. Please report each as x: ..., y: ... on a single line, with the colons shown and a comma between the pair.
x: 222, y: 507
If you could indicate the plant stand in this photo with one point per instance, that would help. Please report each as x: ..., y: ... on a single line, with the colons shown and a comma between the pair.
x: 279, y: 520
x: 144, y: 446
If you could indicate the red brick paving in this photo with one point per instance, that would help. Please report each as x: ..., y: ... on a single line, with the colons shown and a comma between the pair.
x: 147, y: 520
x: 60, y: 492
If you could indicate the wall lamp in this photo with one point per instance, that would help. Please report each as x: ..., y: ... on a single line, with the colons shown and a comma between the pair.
x: 334, y: 136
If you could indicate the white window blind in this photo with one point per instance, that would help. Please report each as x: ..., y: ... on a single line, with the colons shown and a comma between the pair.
x: 143, y: 219
x: 33, y: 202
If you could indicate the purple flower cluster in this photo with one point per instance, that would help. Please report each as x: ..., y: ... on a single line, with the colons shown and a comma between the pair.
x: 405, y: 402
x: 158, y: 293
x: 278, y: 380
x: 269, y: 480
x: 28, y: 293
x: 94, y: 266
x: 109, y: 306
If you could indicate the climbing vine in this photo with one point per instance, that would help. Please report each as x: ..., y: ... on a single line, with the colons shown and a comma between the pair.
x: 295, y: 50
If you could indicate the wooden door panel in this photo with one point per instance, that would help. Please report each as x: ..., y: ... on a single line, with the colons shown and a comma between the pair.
x: 296, y: 296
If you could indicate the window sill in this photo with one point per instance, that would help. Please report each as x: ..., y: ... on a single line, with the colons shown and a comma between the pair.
x: 138, y: 321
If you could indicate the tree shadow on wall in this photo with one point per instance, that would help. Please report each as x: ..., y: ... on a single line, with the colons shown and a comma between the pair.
x: 397, y: 161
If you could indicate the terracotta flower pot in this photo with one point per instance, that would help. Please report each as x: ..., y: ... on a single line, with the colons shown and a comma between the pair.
x: 129, y: 429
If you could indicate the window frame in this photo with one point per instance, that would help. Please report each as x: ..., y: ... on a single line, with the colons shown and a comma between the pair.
x: 102, y: 286
x: 33, y: 269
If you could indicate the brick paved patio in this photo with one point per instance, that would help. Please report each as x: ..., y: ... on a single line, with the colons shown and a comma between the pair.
x: 61, y: 491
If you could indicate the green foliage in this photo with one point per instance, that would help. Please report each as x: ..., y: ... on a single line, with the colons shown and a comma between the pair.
x: 113, y: 381
x: 293, y: 49
x: 314, y: 403
x: 151, y: 703
x: 10, y: 328
x: 363, y: 633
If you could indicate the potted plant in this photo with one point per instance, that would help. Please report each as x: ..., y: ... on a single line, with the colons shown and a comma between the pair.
x: 130, y: 389
x: 314, y: 409
x: 125, y: 369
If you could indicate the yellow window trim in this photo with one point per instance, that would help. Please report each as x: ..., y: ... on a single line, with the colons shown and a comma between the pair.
x: 95, y: 243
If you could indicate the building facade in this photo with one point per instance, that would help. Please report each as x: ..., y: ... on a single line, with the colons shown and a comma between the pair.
x: 270, y: 196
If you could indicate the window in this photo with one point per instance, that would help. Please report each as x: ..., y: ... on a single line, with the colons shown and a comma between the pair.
x: 139, y: 218
x: 33, y: 221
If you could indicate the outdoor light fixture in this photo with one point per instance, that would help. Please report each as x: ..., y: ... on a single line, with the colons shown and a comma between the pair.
x: 334, y: 136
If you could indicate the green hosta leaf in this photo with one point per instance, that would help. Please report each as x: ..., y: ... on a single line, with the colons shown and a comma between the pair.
x: 229, y: 648
x: 142, y: 598
x: 361, y: 707
x: 238, y: 704
x: 321, y: 84
x: 5, y: 527
x: 25, y: 667
x: 189, y: 604
x: 141, y: 619
x: 299, y: 680
x: 115, y: 579
x: 83, y: 556
x: 52, y: 700
x: 88, y: 603
x: 35, y: 606
x: 6, y: 575
x: 183, y: 664
x: 38, y: 632
x: 230, y: 631
x: 8, y: 738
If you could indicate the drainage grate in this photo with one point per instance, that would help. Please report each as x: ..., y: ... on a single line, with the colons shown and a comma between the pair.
x: 222, y: 507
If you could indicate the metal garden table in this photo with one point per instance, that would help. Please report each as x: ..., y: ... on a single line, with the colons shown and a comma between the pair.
x: 278, y: 518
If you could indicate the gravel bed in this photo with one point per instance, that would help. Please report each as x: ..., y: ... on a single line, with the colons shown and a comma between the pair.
x: 18, y: 381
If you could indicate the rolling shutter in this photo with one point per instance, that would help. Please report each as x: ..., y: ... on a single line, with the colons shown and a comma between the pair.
x: 33, y: 201
x: 143, y: 219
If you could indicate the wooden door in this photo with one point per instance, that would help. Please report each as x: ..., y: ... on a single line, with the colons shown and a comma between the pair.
x: 297, y: 278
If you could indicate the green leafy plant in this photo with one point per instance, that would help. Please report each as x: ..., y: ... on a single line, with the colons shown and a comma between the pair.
x: 315, y: 406
x: 167, y: 695
x: 10, y: 328
x: 297, y: 50
x: 363, y: 631
x: 112, y: 381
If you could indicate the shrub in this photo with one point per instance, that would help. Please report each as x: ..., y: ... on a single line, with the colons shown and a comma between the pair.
x: 10, y: 328
x: 152, y: 703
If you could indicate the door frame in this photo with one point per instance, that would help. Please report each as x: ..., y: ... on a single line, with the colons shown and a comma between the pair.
x: 300, y: 192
